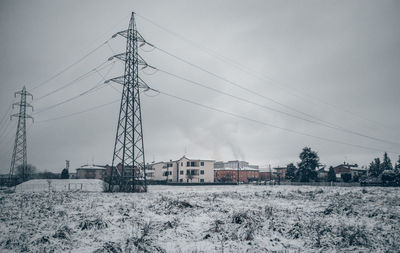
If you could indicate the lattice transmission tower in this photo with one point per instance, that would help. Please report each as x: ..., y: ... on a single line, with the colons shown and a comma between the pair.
x: 19, y: 156
x: 128, y: 171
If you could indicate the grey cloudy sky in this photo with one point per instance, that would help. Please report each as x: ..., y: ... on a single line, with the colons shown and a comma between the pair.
x: 324, y: 58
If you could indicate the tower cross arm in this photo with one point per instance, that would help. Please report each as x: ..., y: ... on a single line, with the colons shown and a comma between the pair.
x: 122, y: 57
x: 140, y: 38
x: 17, y: 115
x: 19, y: 104
x: 23, y: 92
x: 143, y: 85
x: 119, y: 79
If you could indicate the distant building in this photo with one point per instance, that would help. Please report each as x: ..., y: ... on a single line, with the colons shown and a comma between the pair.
x: 243, y: 175
x: 234, y: 165
x: 128, y: 171
x: 280, y: 172
x: 160, y: 172
x: 322, y: 174
x: 344, y: 168
x: 90, y: 172
x: 235, y: 171
x: 184, y: 170
x: 358, y: 172
x: 265, y: 175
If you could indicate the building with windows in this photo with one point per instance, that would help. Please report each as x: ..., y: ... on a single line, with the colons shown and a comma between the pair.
x: 236, y: 164
x: 279, y: 173
x: 265, y: 175
x: 243, y: 175
x: 90, y: 172
x: 128, y: 171
x: 184, y: 170
x: 344, y: 168
x: 236, y: 171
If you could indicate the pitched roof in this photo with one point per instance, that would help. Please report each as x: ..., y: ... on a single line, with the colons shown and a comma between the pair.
x: 90, y: 167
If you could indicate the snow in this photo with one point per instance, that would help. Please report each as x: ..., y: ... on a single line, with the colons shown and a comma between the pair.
x: 43, y: 185
x: 203, y: 219
x: 234, y: 169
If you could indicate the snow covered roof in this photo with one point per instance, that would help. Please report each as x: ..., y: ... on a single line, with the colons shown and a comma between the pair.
x: 358, y: 169
x: 90, y: 167
x: 202, y: 160
x: 244, y: 168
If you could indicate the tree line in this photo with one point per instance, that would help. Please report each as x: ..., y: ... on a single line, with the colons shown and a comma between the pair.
x: 377, y: 171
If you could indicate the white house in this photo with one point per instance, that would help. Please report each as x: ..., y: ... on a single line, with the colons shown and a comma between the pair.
x: 184, y: 170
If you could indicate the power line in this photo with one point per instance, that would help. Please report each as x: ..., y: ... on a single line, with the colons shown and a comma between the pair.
x: 6, y: 114
x: 79, y: 78
x: 329, y: 125
x: 236, y: 84
x: 71, y: 65
x: 271, y: 125
x: 2, y: 124
x: 80, y: 112
x: 261, y: 77
x: 6, y: 130
x: 83, y: 57
x: 96, y: 87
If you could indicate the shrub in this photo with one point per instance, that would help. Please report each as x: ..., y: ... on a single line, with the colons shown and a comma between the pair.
x: 97, y: 223
x: 63, y: 232
x: 353, y: 235
x: 346, y: 177
x: 109, y: 247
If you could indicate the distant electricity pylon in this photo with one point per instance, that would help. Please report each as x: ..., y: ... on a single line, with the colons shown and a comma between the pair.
x: 19, y: 156
x: 128, y: 169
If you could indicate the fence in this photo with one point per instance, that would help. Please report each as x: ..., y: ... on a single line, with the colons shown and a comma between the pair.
x: 340, y: 184
x: 84, y: 185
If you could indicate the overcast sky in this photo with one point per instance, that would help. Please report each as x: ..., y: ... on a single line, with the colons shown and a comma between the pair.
x: 338, y: 61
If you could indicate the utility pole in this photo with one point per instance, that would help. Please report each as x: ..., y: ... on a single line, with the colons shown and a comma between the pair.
x: 128, y: 169
x: 19, y: 156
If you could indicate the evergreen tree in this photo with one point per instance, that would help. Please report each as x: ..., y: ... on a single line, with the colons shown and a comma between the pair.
x: 331, y: 175
x: 65, y: 174
x: 386, y: 163
x: 397, y: 172
x: 346, y: 177
x: 375, y: 167
x: 291, y: 172
x: 307, y: 166
x: 397, y: 166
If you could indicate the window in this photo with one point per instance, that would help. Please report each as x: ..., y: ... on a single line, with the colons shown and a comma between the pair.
x: 202, y: 163
x: 182, y: 164
x: 169, y: 165
x: 187, y: 172
x: 192, y: 164
x: 202, y: 180
x: 170, y: 172
x: 187, y: 164
x: 181, y: 180
x: 201, y: 172
x: 181, y: 172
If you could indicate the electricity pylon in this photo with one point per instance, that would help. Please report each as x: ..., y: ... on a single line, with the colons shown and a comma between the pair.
x: 19, y: 156
x: 128, y: 169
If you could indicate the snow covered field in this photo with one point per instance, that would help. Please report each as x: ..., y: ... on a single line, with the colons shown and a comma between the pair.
x: 203, y: 219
